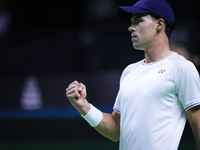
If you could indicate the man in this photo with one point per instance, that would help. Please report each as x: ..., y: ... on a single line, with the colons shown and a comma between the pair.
x: 156, y: 94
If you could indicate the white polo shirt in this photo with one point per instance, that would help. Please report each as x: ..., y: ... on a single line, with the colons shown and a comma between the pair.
x: 152, y: 101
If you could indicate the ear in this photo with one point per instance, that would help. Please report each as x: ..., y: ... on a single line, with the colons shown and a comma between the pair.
x: 160, y: 25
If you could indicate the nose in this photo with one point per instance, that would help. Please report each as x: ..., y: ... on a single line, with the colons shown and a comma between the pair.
x: 131, y: 28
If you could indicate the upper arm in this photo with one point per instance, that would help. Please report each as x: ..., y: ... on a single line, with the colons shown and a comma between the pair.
x: 110, y: 126
x: 193, y: 115
x: 117, y: 116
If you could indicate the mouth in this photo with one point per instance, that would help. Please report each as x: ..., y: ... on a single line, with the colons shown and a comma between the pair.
x: 133, y: 37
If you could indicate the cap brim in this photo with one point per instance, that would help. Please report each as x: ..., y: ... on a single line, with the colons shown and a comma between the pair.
x: 125, y: 12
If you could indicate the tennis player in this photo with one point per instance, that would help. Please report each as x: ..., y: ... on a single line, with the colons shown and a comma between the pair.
x: 156, y: 95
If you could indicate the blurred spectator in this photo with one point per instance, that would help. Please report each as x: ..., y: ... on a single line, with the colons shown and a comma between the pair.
x: 184, y: 40
x: 182, y: 50
x: 5, y: 17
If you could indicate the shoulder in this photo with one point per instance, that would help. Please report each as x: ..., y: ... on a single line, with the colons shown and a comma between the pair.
x: 129, y: 68
x: 133, y: 65
x: 180, y: 63
x: 183, y: 68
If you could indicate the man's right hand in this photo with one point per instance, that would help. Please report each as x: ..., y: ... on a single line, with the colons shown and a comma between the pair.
x: 76, y: 93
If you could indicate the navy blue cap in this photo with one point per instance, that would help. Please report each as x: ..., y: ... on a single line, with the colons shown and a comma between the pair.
x: 159, y: 8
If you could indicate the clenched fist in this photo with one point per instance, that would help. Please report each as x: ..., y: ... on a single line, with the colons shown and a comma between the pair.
x: 76, y: 93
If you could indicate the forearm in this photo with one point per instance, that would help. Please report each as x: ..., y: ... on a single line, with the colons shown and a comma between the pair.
x: 193, y: 115
x: 106, y: 124
x: 109, y: 127
x: 197, y: 138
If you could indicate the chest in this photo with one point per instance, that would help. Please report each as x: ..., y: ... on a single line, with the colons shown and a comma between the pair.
x: 141, y: 82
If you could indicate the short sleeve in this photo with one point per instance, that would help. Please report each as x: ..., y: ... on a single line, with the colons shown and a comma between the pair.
x: 117, y: 104
x: 188, y: 85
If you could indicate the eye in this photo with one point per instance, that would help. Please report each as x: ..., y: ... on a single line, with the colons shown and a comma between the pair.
x: 138, y: 20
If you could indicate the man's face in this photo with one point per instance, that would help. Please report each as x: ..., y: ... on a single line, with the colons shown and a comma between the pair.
x: 143, y: 31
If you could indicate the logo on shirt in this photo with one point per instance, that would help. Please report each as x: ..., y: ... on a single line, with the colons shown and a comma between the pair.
x: 161, y: 71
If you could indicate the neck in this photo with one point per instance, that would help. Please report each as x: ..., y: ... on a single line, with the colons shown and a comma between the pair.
x: 158, y: 50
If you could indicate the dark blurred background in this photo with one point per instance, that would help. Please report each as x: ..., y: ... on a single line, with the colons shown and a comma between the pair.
x: 45, y: 45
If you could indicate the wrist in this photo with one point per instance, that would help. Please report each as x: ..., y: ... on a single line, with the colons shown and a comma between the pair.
x: 94, y: 116
x: 84, y: 110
